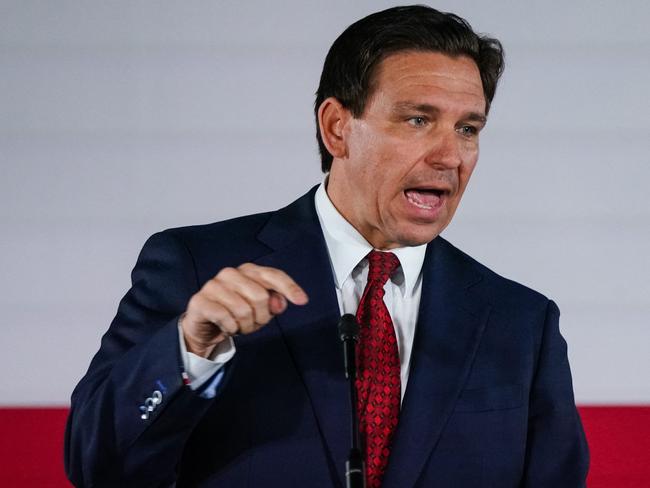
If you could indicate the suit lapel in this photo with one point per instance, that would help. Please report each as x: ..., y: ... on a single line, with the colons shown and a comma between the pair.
x: 450, y: 324
x: 310, y: 331
x: 451, y: 321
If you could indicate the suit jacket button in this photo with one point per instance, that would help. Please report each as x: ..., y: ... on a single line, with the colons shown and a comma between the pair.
x: 157, y: 397
x: 150, y: 404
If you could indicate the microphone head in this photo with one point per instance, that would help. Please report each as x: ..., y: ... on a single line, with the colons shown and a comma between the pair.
x: 348, y: 327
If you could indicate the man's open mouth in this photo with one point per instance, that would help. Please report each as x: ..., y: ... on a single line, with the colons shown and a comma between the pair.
x: 425, y: 198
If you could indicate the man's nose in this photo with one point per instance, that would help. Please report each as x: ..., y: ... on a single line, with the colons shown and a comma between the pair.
x: 445, y: 150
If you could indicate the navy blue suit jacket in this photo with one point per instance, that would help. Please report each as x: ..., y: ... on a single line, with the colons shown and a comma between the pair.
x: 489, y: 400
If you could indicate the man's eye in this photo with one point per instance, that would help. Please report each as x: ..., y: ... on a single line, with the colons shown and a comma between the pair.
x: 417, y: 121
x: 468, y: 130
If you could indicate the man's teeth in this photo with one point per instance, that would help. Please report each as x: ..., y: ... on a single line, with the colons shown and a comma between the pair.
x: 418, y: 204
x: 422, y: 199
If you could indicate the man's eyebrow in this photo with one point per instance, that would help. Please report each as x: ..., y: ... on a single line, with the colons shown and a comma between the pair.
x: 476, y: 117
x: 416, y: 107
x: 433, y: 110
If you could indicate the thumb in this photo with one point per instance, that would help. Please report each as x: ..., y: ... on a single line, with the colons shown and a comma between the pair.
x: 277, y: 303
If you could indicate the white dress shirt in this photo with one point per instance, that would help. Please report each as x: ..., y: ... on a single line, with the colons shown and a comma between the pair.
x: 347, y: 250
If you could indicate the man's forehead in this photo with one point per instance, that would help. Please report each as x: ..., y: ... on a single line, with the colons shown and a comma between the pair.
x: 410, y: 76
x: 410, y: 64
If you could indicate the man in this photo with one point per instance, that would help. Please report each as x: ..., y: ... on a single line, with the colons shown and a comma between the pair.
x: 223, y: 366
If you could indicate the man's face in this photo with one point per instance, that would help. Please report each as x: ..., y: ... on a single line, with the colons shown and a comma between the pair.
x: 410, y: 155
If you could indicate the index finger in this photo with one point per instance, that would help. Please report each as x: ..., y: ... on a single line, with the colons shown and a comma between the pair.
x: 277, y: 280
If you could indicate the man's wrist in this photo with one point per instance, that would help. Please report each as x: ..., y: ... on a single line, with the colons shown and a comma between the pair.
x: 195, y: 347
x: 202, y: 351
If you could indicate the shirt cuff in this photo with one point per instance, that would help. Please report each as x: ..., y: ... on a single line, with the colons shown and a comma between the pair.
x: 198, y: 369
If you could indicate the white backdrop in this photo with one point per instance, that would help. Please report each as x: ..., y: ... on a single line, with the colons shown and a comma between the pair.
x: 119, y: 119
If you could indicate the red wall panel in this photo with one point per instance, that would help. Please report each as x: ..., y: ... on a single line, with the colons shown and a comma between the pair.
x: 31, y: 446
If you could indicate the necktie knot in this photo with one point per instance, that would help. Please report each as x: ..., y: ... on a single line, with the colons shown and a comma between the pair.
x: 381, y: 266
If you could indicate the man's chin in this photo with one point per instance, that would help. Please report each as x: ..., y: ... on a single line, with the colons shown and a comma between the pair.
x: 414, y: 239
x: 414, y: 242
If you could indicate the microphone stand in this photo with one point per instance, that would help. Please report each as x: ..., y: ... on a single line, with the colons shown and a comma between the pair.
x: 355, y: 473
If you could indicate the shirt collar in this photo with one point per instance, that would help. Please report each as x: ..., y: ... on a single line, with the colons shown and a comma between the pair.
x: 347, y: 247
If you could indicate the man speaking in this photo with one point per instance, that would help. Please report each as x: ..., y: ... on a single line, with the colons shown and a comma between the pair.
x: 223, y: 365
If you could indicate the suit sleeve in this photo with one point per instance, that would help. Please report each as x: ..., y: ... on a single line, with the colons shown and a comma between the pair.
x: 131, y: 413
x: 556, y: 452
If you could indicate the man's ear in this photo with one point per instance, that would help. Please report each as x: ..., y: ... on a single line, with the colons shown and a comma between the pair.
x: 332, y: 119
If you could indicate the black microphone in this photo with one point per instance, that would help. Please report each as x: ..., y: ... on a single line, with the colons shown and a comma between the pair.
x: 355, y: 473
x: 349, y: 334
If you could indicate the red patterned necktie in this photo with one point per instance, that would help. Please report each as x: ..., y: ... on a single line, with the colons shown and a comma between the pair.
x: 378, y: 369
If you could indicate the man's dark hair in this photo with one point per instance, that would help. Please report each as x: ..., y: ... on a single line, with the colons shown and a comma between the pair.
x: 351, y: 61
